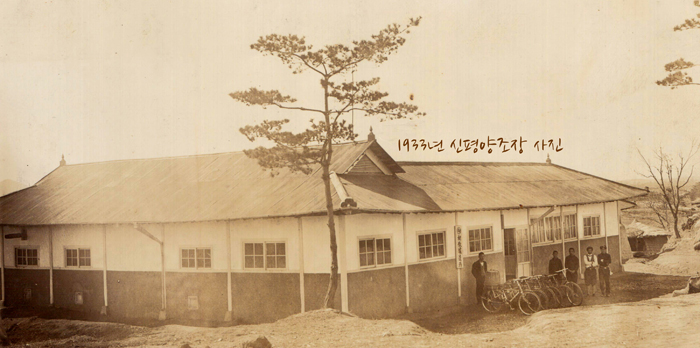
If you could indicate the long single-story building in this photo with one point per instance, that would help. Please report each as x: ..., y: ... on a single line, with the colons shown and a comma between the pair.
x: 214, y: 237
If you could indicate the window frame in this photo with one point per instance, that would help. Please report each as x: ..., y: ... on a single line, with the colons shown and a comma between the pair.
x: 575, y: 225
x: 600, y: 226
x: 196, y: 267
x: 27, y: 247
x: 431, y: 232
x: 374, y: 238
x: 479, y: 227
x: 264, y: 242
x: 77, y: 249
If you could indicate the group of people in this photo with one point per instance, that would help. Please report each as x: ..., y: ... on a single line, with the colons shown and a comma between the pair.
x: 597, y: 266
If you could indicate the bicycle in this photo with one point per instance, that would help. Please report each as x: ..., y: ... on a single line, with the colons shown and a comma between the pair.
x: 496, y: 297
x: 574, y: 293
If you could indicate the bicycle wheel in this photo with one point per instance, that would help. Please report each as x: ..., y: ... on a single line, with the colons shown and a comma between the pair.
x: 553, y: 297
x: 529, y: 303
x: 491, y: 302
x: 544, y: 299
x: 576, y: 295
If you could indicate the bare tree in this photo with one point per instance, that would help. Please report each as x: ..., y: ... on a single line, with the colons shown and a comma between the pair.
x: 314, y: 146
x: 671, y: 177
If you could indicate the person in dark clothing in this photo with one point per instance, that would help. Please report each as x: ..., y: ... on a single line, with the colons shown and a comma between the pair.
x: 572, y: 266
x: 555, y: 264
x: 604, y: 261
x: 479, y: 269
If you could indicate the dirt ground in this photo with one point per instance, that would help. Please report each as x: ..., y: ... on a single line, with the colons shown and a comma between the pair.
x: 626, y: 287
x: 600, y: 322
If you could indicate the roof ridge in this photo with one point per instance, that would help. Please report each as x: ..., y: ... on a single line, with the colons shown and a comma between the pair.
x: 185, y: 156
x: 469, y: 163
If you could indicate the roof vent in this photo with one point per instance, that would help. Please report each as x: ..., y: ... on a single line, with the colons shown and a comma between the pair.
x: 63, y: 161
x: 549, y: 161
x: 370, y: 136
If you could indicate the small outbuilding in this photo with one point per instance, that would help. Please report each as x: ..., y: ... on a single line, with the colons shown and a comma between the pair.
x: 645, y: 238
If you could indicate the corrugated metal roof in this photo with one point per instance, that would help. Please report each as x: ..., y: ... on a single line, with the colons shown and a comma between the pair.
x: 233, y: 186
x: 454, y: 186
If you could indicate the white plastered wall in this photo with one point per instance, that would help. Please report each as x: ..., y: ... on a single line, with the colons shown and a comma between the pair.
x: 264, y: 230
x: 195, y: 235
x: 373, y: 225
x: 36, y: 237
x: 78, y: 236
x: 317, y: 241
x: 420, y: 223
x: 611, y: 224
x: 131, y: 250
x: 480, y: 219
x: 585, y: 210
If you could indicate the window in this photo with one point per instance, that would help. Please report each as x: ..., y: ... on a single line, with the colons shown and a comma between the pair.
x: 591, y: 226
x: 268, y: 255
x: 547, y: 229
x: 523, y: 245
x: 553, y: 227
x: 195, y: 258
x: 480, y: 239
x: 26, y: 257
x: 538, y: 231
x: 431, y: 245
x: 570, y: 226
x: 78, y: 257
x: 375, y: 252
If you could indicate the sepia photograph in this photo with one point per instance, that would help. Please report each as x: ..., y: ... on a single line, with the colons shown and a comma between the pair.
x: 349, y: 173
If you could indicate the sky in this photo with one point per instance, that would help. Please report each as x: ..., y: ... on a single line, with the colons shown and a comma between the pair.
x: 110, y: 80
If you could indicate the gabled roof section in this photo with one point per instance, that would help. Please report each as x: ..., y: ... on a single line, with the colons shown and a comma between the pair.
x: 350, y: 159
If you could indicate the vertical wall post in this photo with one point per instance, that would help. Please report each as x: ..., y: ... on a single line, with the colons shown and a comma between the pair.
x: 229, y: 294
x: 302, y: 292
x: 405, y: 261
x: 164, y: 303
x: 459, y: 271
x: 605, y: 223
x: 342, y: 264
x: 50, y: 266
x: 578, y: 239
x: 529, y: 235
x: 563, y: 233
x: 2, y: 265
x: 620, y: 240
x: 103, y: 311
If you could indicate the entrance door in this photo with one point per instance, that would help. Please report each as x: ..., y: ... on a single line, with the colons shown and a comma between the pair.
x: 522, y: 244
x: 510, y: 253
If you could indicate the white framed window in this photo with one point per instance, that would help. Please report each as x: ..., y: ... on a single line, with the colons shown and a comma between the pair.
x: 538, y: 231
x: 375, y: 252
x: 265, y: 255
x: 570, y: 226
x: 431, y: 245
x: 591, y: 226
x: 480, y: 239
x: 195, y: 258
x: 78, y: 257
x: 27, y: 256
x: 553, y: 226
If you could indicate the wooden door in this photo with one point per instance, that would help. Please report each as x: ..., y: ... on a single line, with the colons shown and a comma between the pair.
x: 510, y: 253
x: 522, y: 241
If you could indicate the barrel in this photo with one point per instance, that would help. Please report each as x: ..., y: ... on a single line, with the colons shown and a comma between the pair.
x: 493, y: 278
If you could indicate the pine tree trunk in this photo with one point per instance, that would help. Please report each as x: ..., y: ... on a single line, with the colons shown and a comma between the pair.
x: 325, y: 163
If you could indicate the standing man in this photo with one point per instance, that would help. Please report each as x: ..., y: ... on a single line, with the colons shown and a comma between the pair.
x: 479, y: 269
x: 555, y: 264
x: 572, y: 266
x: 590, y: 261
x: 604, y: 261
